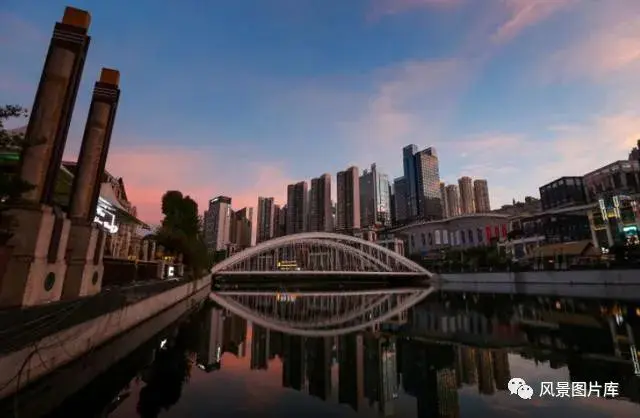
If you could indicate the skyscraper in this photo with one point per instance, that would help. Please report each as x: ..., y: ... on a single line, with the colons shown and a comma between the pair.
x: 466, y: 195
x: 400, y: 191
x: 443, y: 200
x: 241, y: 228
x: 428, y: 178
x: 320, y: 216
x: 280, y: 221
x: 217, y: 224
x: 266, y: 219
x: 297, y: 207
x: 375, y: 207
x: 453, y: 200
x: 348, y: 205
x: 481, y: 196
x: 411, y: 178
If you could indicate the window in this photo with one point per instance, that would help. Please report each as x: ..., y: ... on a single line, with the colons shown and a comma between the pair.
x: 424, y: 239
x: 479, y: 235
x: 470, y: 232
x: 430, y: 239
x: 463, y: 237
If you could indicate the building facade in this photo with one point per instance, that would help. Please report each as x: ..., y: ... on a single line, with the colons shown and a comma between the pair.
x: 217, y: 224
x: 481, y: 196
x: 400, y: 191
x: 241, y: 229
x: 453, y: 200
x: 621, y: 177
x: 375, y: 205
x: 428, y: 173
x: 266, y: 219
x: 563, y: 192
x: 348, y: 205
x: 467, y: 205
x: 443, y: 200
x: 411, y: 178
x: 297, y: 207
x: 459, y: 232
x: 320, y: 217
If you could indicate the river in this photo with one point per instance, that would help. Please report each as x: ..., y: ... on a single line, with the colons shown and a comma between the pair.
x: 450, y: 354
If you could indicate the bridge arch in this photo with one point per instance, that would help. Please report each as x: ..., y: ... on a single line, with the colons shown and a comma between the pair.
x: 374, y: 255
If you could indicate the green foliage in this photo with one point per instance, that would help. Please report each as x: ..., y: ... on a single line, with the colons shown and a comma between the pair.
x: 12, y: 187
x: 181, y: 231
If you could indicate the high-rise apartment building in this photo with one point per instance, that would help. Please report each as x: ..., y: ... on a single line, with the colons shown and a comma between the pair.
x: 297, y: 207
x: 443, y: 200
x: 411, y: 178
x: 280, y: 221
x: 266, y: 219
x: 375, y: 205
x: 241, y: 228
x: 466, y: 195
x: 481, y: 196
x: 400, y: 191
x: 320, y: 210
x: 217, y: 224
x: 428, y: 174
x: 453, y: 200
x: 348, y: 205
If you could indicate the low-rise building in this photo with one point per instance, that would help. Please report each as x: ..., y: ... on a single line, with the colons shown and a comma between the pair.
x: 459, y: 232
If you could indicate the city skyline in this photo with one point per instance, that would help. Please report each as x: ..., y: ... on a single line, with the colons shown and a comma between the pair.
x: 463, y: 95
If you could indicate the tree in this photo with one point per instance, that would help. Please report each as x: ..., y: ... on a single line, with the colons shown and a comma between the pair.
x: 181, y: 231
x: 12, y: 187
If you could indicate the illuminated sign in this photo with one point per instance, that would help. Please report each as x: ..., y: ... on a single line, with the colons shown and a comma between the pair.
x: 106, y: 216
x: 170, y: 271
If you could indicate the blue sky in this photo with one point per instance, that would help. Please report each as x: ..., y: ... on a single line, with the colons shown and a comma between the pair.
x: 242, y: 97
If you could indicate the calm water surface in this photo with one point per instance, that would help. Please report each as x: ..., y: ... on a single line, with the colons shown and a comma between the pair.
x: 452, y: 355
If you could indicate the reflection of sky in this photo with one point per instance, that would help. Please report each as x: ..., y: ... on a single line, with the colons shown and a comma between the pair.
x: 237, y: 391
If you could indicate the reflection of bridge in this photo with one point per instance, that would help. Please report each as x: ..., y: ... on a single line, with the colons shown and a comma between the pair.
x: 320, y: 314
x: 318, y: 253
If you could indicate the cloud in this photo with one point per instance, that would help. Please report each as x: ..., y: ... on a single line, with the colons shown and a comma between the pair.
x: 148, y: 172
x: 523, y: 14
x: 606, y: 50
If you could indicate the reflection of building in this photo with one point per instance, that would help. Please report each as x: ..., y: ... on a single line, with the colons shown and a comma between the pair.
x: 293, y: 363
x: 210, y: 349
x: 235, y: 335
x: 259, y: 348
x: 351, y: 371
x: 319, y: 367
x: 380, y: 373
x: 485, y: 372
x: 501, y: 369
x: 469, y: 371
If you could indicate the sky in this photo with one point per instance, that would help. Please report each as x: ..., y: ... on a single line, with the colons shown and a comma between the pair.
x: 242, y: 97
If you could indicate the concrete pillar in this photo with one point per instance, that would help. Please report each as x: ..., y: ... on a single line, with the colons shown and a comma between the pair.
x: 594, y: 236
x: 145, y: 250
x: 53, y: 105
x: 160, y: 269
x: 84, y: 275
x: 152, y: 255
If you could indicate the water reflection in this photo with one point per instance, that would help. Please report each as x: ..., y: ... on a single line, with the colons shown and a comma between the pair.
x: 451, y: 355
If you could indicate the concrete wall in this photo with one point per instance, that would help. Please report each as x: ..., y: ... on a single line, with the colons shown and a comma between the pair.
x: 60, y: 348
x: 552, y: 277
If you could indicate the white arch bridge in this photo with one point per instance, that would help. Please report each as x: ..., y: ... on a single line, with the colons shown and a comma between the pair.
x: 322, y: 314
x: 318, y: 253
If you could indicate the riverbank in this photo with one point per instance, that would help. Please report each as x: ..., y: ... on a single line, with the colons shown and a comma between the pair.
x: 599, y: 277
x: 27, y: 358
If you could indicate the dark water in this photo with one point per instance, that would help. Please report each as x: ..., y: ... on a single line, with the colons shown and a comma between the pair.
x: 451, y: 355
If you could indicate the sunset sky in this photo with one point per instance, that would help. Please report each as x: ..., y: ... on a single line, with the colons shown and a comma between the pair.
x: 242, y: 97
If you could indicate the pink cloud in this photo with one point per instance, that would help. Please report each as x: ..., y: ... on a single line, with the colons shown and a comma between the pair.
x: 523, y: 14
x: 203, y: 173
x: 608, y: 49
